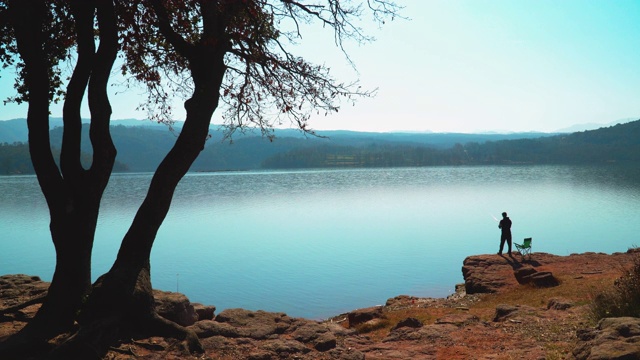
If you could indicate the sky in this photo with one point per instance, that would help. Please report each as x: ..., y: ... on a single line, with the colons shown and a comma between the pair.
x: 471, y: 66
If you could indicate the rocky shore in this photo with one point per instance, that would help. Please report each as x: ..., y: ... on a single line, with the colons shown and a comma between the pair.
x: 508, y: 308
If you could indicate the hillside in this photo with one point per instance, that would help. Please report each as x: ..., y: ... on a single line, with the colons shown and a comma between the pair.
x: 619, y: 143
x: 15, y: 130
x: 615, y: 144
x: 142, y: 147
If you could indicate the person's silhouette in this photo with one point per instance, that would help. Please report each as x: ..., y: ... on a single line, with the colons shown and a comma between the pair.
x: 505, y: 226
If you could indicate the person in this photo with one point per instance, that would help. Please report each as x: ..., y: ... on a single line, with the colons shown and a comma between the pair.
x: 505, y: 226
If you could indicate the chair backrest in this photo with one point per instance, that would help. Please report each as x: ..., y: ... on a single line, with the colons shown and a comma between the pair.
x: 527, y: 242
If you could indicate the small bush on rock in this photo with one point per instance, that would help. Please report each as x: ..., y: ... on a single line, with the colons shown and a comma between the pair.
x: 372, y: 325
x: 623, y: 299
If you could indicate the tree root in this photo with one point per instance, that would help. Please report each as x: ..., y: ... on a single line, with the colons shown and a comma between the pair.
x: 148, y: 346
x: 97, y: 338
x: 91, y: 341
x: 121, y: 306
x: 166, y: 328
x: 127, y: 351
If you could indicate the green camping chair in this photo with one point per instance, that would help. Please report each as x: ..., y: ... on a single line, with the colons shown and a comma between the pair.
x: 524, y: 248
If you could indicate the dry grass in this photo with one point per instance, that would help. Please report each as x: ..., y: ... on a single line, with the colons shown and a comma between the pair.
x: 577, y: 289
x: 381, y: 329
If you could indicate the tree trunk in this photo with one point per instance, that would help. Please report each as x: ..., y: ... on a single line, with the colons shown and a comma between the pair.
x: 72, y: 194
x: 121, y: 303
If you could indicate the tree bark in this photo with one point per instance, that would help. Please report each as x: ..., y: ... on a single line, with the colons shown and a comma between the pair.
x: 73, y: 194
x: 123, y: 296
x: 28, y: 17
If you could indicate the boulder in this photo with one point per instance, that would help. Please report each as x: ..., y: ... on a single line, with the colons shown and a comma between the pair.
x: 255, y: 324
x: 205, y: 312
x: 325, y: 342
x: 558, y: 304
x: 209, y: 328
x: 504, y: 311
x: 175, y: 307
x: 362, y: 316
x: 486, y: 274
x: 613, y: 338
x: 408, y: 322
x: 316, y: 334
x: 522, y: 274
x: 542, y: 279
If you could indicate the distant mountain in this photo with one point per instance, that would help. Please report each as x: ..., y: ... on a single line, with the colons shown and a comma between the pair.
x: 14, y: 130
x: 141, y: 147
x: 592, y: 126
x: 614, y: 144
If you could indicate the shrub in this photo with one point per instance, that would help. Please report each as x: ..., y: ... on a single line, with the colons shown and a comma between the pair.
x: 372, y: 325
x: 623, y: 299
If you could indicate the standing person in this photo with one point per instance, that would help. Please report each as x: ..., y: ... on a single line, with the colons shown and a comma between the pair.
x: 505, y: 226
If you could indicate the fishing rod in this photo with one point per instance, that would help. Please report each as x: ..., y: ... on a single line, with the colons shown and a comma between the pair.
x: 494, y: 218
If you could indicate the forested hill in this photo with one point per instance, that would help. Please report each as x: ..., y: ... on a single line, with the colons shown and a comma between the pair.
x: 619, y: 144
x: 141, y: 148
x: 15, y: 130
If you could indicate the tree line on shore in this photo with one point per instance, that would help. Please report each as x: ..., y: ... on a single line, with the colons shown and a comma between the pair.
x: 141, y: 149
x: 619, y: 144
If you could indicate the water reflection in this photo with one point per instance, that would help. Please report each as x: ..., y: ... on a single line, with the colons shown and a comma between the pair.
x: 316, y: 243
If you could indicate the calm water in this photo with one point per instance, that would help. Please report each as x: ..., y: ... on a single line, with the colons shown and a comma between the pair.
x: 319, y: 243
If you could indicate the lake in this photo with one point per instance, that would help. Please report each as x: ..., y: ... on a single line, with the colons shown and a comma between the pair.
x: 318, y: 243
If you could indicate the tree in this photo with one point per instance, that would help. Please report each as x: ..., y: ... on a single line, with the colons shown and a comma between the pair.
x: 234, y: 53
x: 42, y: 34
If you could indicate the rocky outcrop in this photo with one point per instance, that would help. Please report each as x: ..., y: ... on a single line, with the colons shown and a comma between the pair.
x: 362, y: 316
x: 490, y: 273
x: 512, y: 313
x: 487, y: 274
x: 267, y: 335
x: 205, y: 312
x: 21, y: 296
x: 255, y: 324
x: 175, y: 307
x: 612, y: 339
x: 20, y: 286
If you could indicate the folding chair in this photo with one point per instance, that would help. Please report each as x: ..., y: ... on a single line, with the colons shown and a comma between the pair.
x: 524, y: 248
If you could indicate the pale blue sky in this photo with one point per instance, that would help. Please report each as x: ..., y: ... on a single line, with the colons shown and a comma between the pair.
x: 477, y: 65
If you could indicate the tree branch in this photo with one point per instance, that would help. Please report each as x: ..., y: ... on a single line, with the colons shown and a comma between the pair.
x: 183, y: 47
x: 83, y: 12
x: 104, y: 152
